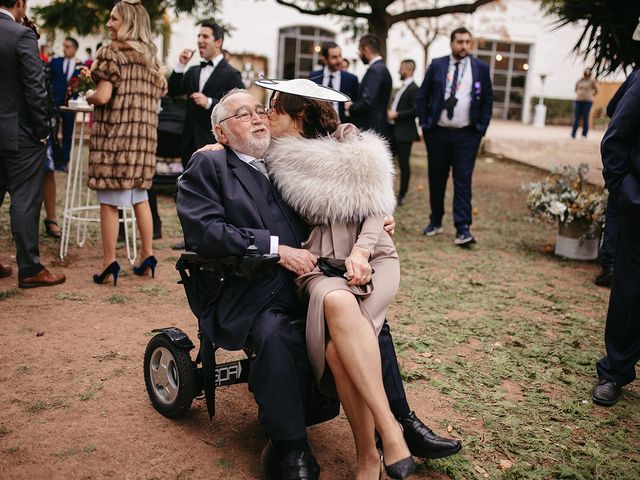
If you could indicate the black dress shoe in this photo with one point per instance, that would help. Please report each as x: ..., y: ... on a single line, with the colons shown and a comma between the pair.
x: 299, y: 465
x: 270, y: 462
x: 605, y: 393
x: 604, y: 278
x: 423, y: 443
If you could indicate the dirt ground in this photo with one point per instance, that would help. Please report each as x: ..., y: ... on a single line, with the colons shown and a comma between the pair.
x: 74, y: 404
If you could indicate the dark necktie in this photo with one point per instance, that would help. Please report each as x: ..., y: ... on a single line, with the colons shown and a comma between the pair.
x: 204, y: 64
x: 454, y: 87
x: 330, y: 85
x: 260, y: 166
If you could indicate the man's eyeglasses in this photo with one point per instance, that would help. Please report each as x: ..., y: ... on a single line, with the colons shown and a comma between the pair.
x: 244, y: 114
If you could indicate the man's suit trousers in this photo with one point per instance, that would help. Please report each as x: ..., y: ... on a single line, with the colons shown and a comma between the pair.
x: 402, y: 150
x: 622, y: 331
x: 451, y: 149
x: 22, y: 175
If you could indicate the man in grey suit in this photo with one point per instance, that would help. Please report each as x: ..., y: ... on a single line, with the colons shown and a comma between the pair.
x: 24, y: 127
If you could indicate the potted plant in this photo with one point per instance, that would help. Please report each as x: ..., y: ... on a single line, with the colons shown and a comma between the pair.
x: 576, y: 206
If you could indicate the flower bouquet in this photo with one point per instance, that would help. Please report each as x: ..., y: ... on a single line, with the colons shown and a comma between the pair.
x: 577, y: 207
x: 80, y: 85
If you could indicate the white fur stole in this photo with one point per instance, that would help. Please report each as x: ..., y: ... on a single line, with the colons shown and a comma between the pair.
x: 334, y: 180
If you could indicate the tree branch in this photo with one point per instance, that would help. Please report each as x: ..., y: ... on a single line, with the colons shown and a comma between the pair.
x: 436, y: 12
x: 345, y: 12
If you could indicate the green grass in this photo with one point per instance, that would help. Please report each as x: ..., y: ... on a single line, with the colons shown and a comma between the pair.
x: 72, y: 297
x: 91, y: 392
x: 117, y: 299
x: 154, y: 290
x: 12, y: 292
x: 509, y: 335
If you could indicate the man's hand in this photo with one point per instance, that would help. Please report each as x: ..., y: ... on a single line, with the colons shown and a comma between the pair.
x: 391, y: 115
x: 358, y: 268
x: 185, y: 56
x: 390, y: 225
x: 200, y: 99
x: 212, y: 147
x: 347, y: 106
x: 297, y: 260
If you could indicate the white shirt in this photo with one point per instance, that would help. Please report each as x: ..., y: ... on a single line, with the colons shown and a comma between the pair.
x: 465, y: 88
x: 275, y: 240
x: 396, y: 99
x: 335, y: 83
x: 69, y: 66
x: 375, y: 59
x: 8, y: 13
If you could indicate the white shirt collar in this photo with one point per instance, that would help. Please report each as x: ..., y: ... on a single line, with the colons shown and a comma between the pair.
x: 244, y: 157
x: 407, y: 82
x: 326, y: 72
x: 8, y: 13
x: 216, y: 60
x: 453, y: 59
x: 375, y: 59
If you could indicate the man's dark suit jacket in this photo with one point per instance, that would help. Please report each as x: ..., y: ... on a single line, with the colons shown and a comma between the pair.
x: 430, y: 98
x: 620, y: 147
x: 23, y: 98
x: 197, y: 128
x: 59, y: 80
x: 404, y: 129
x: 369, y: 110
x: 348, y: 86
x: 220, y: 204
x: 613, y: 103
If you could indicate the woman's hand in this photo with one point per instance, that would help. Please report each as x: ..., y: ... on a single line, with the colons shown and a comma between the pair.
x: 212, y: 147
x: 358, y: 268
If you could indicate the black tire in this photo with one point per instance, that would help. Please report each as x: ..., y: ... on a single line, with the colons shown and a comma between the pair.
x: 170, y: 377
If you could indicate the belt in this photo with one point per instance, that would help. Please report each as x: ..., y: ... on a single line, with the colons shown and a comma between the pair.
x: 455, y: 129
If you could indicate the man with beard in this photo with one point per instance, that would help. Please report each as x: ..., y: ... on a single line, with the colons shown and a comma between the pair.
x: 454, y: 108
x: 225, y: 201
x: 369, y: 110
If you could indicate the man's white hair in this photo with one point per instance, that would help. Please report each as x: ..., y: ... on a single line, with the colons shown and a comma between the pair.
x: 220, y: 112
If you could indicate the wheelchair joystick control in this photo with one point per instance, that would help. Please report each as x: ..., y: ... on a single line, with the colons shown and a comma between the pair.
x: 252, y: 250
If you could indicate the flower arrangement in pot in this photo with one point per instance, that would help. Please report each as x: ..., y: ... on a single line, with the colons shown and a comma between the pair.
x: 80, y: 85
x: 576, y: 206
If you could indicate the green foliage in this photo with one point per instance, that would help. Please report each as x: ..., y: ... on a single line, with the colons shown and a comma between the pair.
x: 559, y: 110
x: 90, y: 16
x: 607, y: 31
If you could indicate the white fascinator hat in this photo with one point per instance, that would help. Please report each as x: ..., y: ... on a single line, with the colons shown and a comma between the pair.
x: 636, y: 34
x: 303, y: 88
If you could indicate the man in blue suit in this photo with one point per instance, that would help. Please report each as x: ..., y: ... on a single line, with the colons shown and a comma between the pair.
x: 63, y: 69
x: 333, y: 76
x: 454, y: 108
x: 369, y: 109
x: 620, y: 151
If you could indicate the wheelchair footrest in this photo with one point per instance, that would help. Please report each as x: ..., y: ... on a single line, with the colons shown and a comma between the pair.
x: 231, y: 373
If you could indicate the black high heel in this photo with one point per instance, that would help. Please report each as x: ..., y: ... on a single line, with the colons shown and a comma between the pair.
x: 148, y: 263
x: 401, y: 469
x: 49, y: 231
x: 112, y: 269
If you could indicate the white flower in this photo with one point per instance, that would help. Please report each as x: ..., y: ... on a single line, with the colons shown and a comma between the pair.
x: 557, y: 208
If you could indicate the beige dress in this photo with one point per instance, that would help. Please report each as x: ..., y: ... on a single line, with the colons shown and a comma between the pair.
x: 336, y: 241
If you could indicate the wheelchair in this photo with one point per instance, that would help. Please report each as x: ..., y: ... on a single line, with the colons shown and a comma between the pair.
x: 173, y: 380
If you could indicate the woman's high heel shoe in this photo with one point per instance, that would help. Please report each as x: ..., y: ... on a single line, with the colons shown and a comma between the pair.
x: 112, y: 269
x: 401, y: 469
x: 148, y: 263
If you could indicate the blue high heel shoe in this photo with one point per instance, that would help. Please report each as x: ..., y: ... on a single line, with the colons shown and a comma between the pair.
x: 112, y: 269
x: 148, y: 263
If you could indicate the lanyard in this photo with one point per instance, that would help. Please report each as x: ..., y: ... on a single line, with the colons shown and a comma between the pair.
x: 460, y: 77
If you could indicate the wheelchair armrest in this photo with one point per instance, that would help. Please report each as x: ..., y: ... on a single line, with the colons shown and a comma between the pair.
x: 247, y: 266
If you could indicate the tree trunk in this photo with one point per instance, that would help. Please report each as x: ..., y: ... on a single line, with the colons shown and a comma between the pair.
x: 379, y: 24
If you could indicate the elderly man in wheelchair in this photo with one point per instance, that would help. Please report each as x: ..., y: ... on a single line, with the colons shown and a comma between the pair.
x: 239, y: 283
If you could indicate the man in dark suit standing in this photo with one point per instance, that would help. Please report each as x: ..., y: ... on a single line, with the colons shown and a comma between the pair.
x: 333, y: 76
x: 402, y: 124
x: 204, y: 85
x: 454, y: 108
x: 620, y: 151
x: 369, y: 109
x: 63, y: 69
x: 24, y: 127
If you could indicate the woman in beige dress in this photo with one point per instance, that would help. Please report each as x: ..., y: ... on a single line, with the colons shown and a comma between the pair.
x: 341, y: 180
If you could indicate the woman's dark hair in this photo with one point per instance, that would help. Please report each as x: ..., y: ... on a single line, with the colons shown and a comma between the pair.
x: 316, y: 118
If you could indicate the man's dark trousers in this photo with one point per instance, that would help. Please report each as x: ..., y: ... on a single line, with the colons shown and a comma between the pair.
x: 611, y: 227
x: 451, y: 149
x: 402, y: 150
x: 22, y: 175
x: 622, y: 331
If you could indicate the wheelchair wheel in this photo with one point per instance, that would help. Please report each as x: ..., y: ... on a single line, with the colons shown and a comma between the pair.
x: 170, y: 377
